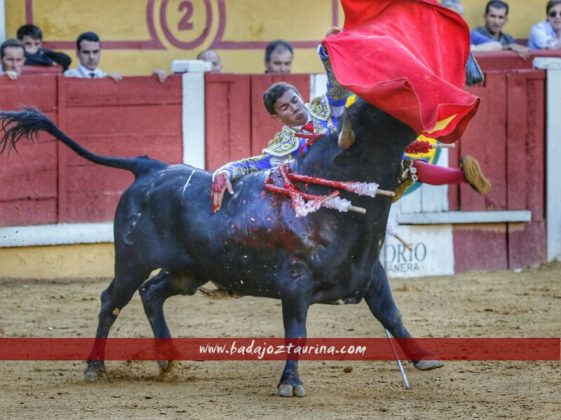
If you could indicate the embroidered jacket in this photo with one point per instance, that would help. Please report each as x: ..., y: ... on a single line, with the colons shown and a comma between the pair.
x: 324, y: 112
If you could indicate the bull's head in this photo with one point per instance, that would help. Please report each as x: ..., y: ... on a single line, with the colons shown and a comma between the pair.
x: 365, y: 121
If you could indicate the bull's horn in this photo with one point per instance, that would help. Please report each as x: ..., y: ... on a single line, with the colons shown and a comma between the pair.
x: 347, y: 135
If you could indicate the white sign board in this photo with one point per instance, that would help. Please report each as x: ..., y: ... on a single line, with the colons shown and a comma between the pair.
x: 431, y: 253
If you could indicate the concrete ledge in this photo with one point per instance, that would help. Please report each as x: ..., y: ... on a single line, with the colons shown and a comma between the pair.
x: 457, y: 217
x: 60, y: 234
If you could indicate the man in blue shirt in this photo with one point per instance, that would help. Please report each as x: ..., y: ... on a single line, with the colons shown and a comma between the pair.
x: 496, y: 17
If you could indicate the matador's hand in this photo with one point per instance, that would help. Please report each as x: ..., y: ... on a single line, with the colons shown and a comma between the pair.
x: 220, y: 183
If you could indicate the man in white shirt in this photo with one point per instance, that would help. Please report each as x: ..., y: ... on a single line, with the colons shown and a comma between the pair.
x: 546, y: 35
x: 12, y: 57
x: 88, y: 51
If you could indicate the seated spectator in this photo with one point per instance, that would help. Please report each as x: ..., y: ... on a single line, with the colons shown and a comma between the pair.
x: 212, y: 57
x: 88, y: 51
x: 546, y: 35
x: 496, y: 17
x: 35, y: 54
x: 12, y: 57
x: 278, y: 57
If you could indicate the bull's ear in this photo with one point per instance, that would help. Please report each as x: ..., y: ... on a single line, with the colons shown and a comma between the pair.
x: 347, y: 135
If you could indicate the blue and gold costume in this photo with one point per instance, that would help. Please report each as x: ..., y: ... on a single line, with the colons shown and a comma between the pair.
x: 324, y: 112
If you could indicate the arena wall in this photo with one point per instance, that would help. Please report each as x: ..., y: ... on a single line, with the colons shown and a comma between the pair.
x: 52, y: 200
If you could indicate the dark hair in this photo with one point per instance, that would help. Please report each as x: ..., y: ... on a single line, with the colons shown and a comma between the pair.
x: 551, y: 4
x: 274, y: 92
x: 86, y: 36
x: 277, y: 45
x: 11, y: 43
x: 29, y: 30
x: 497, y: 4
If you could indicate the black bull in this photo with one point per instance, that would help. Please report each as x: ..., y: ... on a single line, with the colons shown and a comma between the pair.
x: 255, y: 245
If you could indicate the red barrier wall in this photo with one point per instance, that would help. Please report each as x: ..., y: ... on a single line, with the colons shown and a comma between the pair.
x: 508, y: 137
x: 29, y: 178
x: 509, y: 60
x: 48, y: 183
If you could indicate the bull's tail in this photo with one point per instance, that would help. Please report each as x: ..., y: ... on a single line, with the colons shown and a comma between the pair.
x: 27, y: 123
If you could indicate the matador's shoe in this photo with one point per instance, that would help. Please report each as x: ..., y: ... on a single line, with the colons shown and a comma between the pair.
x: 474, y: 176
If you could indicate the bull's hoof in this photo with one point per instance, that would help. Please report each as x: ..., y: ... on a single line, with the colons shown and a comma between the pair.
x: 288, y: 390
x: 427, y: 364
x: 95, y: 374
x: 167, y: 371
x: 165, y: 365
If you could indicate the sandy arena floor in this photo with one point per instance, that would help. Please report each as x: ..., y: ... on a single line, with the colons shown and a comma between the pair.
x: 501, y: 304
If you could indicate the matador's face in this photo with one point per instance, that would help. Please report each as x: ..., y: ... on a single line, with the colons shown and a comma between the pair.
x: 291, y: 110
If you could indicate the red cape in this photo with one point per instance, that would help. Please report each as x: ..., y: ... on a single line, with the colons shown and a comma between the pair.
x: 408, y: 58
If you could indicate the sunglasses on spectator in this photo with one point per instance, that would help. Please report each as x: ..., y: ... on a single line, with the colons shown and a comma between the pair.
x: 553, y: 13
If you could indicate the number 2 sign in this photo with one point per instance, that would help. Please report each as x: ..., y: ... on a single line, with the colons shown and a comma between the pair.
x: 186, y: 23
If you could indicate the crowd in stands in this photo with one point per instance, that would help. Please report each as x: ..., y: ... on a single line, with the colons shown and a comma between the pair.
x: 27, y: 50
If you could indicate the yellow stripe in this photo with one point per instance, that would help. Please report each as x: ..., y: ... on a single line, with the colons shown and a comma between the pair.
x: 442, y: 124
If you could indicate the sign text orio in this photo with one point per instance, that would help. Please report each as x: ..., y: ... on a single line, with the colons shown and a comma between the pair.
x: 399, y: 258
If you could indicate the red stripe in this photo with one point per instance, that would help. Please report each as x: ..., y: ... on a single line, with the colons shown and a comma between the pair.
x: 335, y: 13
x: 279, y: 349
x: 28, y: 11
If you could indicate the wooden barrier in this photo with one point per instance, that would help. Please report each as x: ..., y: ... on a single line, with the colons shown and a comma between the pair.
x: 509, y: 60
x: 29, y: 192
x: 48, y: 183
x: 508, y: 137
x: 45, y: 183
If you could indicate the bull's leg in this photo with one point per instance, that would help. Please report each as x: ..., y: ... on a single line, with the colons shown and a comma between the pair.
x: 380, y: 301
x: 113, y: 300
x: 294, y: 314
x: 154, y: 294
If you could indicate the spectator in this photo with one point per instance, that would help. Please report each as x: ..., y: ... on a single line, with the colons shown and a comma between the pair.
x: 278, y: 57
x: 88, y: 51
x: 546, y: 35
x: 12, y: 56
x: 35, y: 54
x: 478, y: 41
x: 496, y: 17
x: 212, y: 57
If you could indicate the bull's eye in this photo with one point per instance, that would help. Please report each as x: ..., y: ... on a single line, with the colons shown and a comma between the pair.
x: 297, y: 269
